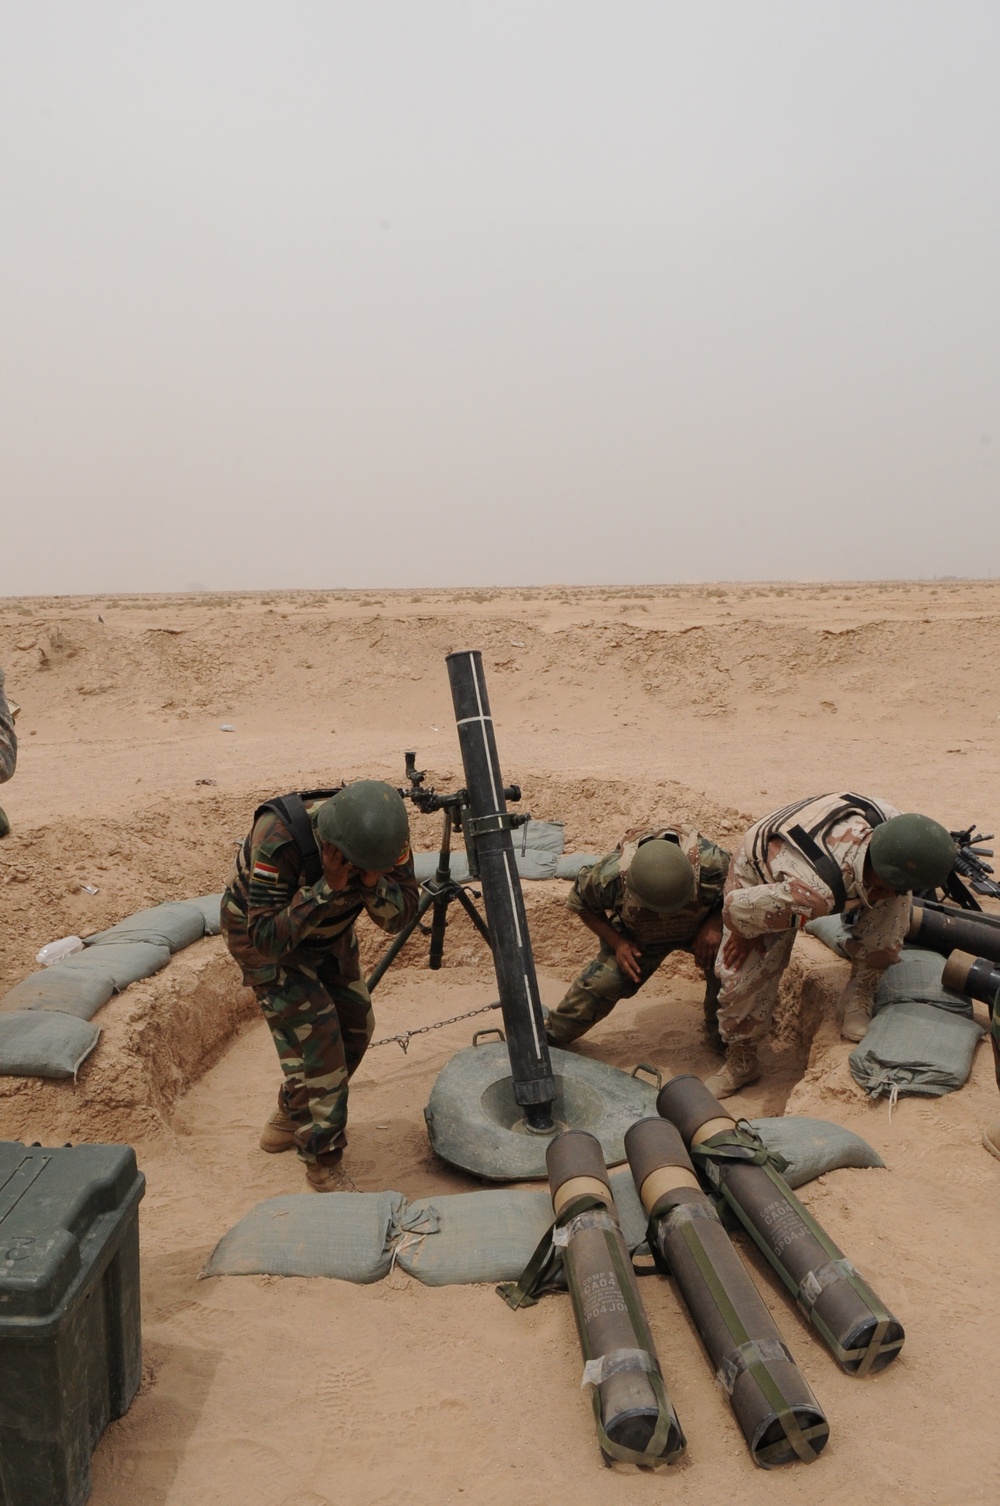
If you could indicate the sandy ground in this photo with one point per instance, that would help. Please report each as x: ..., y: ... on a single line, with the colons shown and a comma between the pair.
x: 714, y: 704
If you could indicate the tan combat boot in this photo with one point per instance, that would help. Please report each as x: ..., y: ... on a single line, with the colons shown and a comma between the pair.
x: 741, y: 1067
x: 278, y: 1133
x: 858, y: 998
x: 991, y: 1139
x: 326, y: 1175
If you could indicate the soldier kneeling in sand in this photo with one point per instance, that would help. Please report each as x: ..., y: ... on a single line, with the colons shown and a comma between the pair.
x: 309, y: 868
x: 660, y: 891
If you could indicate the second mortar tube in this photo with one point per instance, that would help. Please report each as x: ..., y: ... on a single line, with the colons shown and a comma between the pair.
x: 530, y: 1065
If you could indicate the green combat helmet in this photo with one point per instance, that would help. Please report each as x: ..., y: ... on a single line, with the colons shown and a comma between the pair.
x: 912, y: 852
x: 367, y: 824
x: 661, y: 877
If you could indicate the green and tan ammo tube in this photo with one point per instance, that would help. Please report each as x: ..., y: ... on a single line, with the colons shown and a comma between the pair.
x: 945, y: 931
x: 861, y: 1333
x: 979, y: 977
x: 778, y: 1414
x: 635, y: 1419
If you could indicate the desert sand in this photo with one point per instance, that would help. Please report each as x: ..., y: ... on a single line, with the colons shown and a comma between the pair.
x: 714, y: 704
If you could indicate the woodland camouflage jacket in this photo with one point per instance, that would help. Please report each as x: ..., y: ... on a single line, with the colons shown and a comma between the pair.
x: 602, y: 890
x: 271, y: 918
x: 8, y: 737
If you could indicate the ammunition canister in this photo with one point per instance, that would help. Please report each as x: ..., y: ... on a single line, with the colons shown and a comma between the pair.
x: 858, y: 1329
x: 777, y: 1412
x: 978, y: 977
x: 945, y: 931
x: 635, y: 1419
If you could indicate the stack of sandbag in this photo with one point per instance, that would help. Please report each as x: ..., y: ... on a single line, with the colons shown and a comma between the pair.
x: 538, y: 854
x: 922, y: 1037
x: 468, y: 1236
x: 46, y: 1027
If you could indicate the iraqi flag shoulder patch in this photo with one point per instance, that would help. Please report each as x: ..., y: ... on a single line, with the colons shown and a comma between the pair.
x: 266, y: 873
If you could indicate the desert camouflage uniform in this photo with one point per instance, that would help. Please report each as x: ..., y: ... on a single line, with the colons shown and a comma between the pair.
x: 601, y: 890
x: 298, y: 950
x: 773, y: 890
x: 8, y: 737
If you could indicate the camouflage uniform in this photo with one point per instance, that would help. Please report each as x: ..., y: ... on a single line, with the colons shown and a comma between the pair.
x: 773, y: 889
x: 8, y: 737
x: 601, y: 890
x: 298, y: 950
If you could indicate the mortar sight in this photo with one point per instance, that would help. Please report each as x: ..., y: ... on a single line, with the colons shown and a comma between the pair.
x: 430, y: 800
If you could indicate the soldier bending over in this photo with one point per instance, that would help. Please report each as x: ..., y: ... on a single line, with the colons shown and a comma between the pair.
x: 309, y: 868
x: 829, y: 854
x: 660, y: 891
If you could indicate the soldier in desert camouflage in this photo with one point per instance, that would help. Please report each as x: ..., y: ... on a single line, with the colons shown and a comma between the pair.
x: 310, y: 867
x: 840, y: 853
x: 659, y: 891
x: 8, y: 748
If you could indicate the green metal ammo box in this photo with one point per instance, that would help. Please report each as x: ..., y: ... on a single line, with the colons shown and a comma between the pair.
x: 70, y: 1352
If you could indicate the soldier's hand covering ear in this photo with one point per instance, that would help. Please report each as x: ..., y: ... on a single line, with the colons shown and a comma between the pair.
x: 337, y: 871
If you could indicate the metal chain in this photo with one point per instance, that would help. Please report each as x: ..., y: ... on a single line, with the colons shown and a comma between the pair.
x: 405, y: 1036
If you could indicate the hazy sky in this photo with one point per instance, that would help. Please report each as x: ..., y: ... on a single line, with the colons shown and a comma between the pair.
x: 346, y: 294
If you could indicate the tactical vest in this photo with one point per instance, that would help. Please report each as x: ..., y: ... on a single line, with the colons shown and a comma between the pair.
x: 813, y: 841
x: 292, y: 810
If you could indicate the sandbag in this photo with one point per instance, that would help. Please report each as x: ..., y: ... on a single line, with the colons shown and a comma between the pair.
x: 813, y: 1146
x: 473, y: 1236
x: 210, y: 906
x: 917, y: 976
x: 571, y: 863
x: 425, y: 866
x: 41, y: 1043
x: 832, y: 930
x: 349, y: 1235
x: 537, y: 845
x: 81, y: 992
x: 123, y: 962
x: 491, y: 1236
x: 913, y: 1047
x: 175, y: 924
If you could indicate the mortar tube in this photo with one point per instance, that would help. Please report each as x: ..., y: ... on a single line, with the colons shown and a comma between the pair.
x: 489, y: 823
x: 636, y: 1421
x: 860, y: 1332
x: 947, y: 931
x: 777, y: 1412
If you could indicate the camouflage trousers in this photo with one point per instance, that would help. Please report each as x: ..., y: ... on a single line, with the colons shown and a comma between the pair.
x: 600, y: 986
x: 321, y: 1026
x: 748, y: 992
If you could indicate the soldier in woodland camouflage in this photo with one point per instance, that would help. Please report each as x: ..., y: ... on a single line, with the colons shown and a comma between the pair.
x: 8, y: 749
x: 294, y: 938
x: 839, y: 853
x: 635, y: 937
x: 8, y: 737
